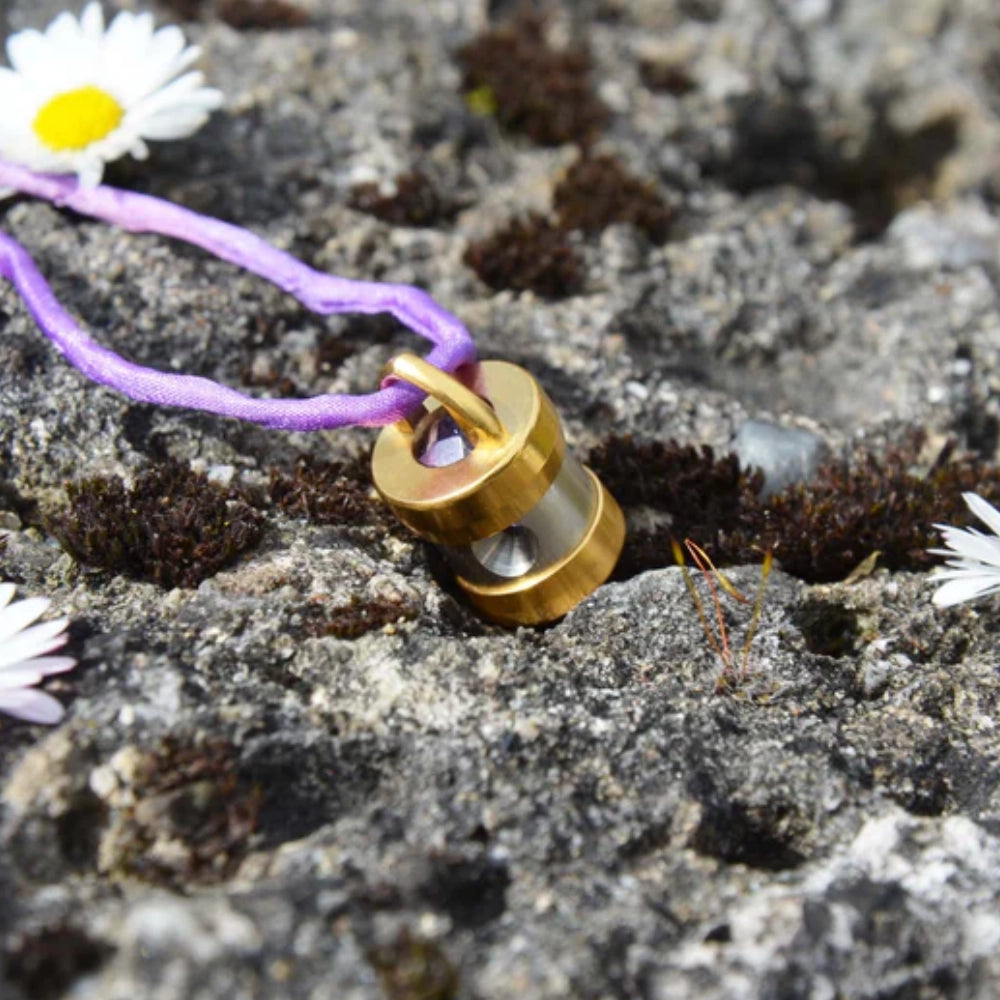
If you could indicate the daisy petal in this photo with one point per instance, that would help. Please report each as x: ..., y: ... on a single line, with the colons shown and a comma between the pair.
x: 964, y: 588
x: 32, y: 642
x: 18, y: 677
x: 92, y: 20
x: 972, y: 558
x: 23, y: 662
x: 174, y: 125
x: 27, y: 51
x: 972, y: 545
x: 984, y: 510
x: 31, y: 706
x: 46, y: 665
x: 18, y: 616
x: 91, y: 172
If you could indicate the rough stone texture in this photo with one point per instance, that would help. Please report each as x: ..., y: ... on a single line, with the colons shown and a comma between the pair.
x: 241, y: 806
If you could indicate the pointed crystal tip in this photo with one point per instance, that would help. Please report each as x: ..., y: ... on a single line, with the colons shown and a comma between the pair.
x: 509, y: 553
x: 441, y: 442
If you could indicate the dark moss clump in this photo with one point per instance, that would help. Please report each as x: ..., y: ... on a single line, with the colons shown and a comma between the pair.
x: 418, y: 201
x: 823, y: 530
x: 188, y: 794
x: 818, y: 532
x: 173, y: 527
x: 358, y: 617
x: 186, y: 10
x: 541, y: 92
x: 245, y: 14
x: 45, y: 963
x: 666, y: 77
x: 538, y: 255
x: 269, y: 14
x: 414, y: 969
x: 530, y: 254
x: 337, y: 493
x: 598, y: 191
x: 708, y: 499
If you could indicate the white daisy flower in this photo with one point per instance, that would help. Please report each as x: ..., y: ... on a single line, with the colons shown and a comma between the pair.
x: 973, y: 558
x: 77, y: 96
x: 22, y: 659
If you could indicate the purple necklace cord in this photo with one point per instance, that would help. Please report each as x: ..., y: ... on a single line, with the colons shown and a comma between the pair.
x: 322, y: 293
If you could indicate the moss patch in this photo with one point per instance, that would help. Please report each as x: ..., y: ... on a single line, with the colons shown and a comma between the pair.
x: 357, y: 617
x: 529, y: 254
x: 598, y: 191
x: 245, y: 14
x: 269, y: 14
x: 708, y: 499
x: 192, y: 816
x: 337, y: 493
x: 537, y: 254
x: 173, y: 527
x: 417, y: 201
x: 538, y: 91
x: 818, y: 532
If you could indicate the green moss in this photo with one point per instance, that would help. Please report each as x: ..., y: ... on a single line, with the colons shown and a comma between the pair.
x: 173, y: 527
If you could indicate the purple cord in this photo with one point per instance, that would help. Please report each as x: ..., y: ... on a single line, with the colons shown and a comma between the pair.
x: 320, y: 292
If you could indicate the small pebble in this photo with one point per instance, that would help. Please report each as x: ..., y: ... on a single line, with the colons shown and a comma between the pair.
x: 786, y: 455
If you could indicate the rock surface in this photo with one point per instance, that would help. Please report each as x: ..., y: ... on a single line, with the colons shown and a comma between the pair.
x: 317, y: 774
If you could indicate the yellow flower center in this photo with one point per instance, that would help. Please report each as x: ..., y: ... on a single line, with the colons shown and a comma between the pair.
x: 75, y: 119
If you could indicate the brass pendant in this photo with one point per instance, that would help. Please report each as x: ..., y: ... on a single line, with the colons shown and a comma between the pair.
x: 483, y: 473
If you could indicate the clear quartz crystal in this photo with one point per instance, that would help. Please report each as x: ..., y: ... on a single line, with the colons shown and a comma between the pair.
x: 440, y: 441
x: 541, y: 537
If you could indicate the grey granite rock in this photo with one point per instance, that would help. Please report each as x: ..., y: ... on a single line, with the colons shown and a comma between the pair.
x: 239, y: 805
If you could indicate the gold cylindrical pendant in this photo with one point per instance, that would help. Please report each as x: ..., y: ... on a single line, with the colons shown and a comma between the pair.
x: 482, y: 471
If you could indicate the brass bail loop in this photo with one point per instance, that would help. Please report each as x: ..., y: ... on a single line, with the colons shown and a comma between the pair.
x: 473, y: 415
